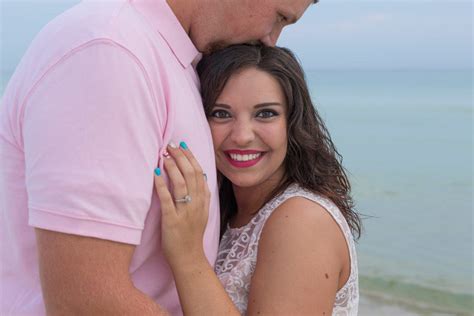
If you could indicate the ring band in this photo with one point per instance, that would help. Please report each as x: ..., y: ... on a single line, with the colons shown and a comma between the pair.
x: 186, y: 199
x: 205, y: 176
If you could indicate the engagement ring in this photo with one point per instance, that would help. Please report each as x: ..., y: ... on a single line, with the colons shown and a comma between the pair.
x: 186, y: 199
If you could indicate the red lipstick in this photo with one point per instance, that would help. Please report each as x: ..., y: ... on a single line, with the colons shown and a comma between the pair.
x: 234, y: 154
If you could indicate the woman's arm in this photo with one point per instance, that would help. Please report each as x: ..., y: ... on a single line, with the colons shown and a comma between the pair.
x: 302, y: 261
x: 303, y: 258
x: 183, y: 225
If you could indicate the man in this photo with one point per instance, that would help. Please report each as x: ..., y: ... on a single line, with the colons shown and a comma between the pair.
x: 84, y: 121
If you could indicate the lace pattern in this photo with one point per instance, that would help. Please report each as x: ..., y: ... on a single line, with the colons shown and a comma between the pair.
x: 237, y: 255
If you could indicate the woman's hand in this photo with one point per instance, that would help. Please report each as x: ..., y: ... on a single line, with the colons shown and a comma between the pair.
x: 185, y: 209
x: 182, y: 230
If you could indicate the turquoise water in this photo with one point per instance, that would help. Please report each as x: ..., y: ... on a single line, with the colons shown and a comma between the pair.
x: 406, y: 138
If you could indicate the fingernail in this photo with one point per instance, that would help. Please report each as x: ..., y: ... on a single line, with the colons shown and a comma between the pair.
x: 172, y: 145
x: 158, y: 171
x: 183, y: 145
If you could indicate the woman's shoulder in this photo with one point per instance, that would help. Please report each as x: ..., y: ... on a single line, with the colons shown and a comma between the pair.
x: 308, y: 221
x: 311, y: 224
x: 300, y: 239
x: 297, y: 220
x: 309, y: 208
x: 299, y: 213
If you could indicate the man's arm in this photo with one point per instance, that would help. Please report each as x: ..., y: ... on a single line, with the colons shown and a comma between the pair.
x: 89, y: 276
x: 91, y: 131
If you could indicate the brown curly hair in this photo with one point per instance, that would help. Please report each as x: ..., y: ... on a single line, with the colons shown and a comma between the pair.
x: 312, y: 160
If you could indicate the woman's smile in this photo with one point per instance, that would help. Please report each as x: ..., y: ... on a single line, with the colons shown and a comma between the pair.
x: 243, y: 158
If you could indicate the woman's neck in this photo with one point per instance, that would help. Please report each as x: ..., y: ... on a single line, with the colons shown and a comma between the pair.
x: 251, y: 199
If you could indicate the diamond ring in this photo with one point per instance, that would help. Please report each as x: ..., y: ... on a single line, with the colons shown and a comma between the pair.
x: 186, y: 199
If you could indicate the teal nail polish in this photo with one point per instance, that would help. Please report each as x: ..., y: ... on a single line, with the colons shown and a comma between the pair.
x: 158, y: 171
x: 183, y: 145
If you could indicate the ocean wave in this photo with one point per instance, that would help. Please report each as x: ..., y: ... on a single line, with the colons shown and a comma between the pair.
x: 421, y: 298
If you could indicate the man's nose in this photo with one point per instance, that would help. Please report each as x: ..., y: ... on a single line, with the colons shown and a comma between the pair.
x: 272, y: 38
x: 242, y: 133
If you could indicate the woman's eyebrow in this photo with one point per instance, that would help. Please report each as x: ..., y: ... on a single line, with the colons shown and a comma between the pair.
x: 222, y: 105
x: 257, y: 106
x: 261, y: 105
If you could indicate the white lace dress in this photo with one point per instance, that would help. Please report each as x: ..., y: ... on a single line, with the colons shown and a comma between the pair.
x: 237, y: 255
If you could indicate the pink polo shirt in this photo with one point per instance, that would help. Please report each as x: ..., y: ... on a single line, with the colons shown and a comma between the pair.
x: 83, y: 123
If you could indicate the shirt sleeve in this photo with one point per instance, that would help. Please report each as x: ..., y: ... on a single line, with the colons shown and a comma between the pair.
x: 92, y: 134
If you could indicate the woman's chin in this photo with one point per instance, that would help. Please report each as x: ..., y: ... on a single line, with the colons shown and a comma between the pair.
x: 243, y: 182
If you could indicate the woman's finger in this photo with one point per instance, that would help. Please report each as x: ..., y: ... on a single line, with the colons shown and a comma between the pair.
x: 185, y: 167
x: 208, y: 197
x: 201, y: 178
x: 166, y: 200
x: 178, y: 183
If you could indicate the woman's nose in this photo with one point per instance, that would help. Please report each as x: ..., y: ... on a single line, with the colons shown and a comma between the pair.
x: 242, y: 133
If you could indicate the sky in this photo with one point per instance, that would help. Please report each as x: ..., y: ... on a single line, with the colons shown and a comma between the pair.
x: 333, y: 34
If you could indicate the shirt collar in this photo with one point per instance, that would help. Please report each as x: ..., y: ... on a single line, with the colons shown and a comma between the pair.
x: 162, y: 18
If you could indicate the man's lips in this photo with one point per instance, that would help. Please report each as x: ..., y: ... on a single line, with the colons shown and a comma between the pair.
x: 243, y: 158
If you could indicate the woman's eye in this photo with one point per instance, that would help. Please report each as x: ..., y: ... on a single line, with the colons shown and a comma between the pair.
x: 267, y: 114
x: 220, y: 114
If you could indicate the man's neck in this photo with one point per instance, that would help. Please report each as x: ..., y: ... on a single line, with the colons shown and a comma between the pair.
x: 183, y: 10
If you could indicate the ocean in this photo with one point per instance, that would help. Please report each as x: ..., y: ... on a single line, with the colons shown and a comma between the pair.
x: 406, y: 139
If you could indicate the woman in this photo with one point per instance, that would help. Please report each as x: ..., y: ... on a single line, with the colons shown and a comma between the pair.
x: 287, y: 215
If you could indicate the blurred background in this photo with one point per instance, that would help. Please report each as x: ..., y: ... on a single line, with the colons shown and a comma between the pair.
x: 393, y: 81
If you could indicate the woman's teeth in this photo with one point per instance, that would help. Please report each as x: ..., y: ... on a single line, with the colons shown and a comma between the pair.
x: 238, y: 157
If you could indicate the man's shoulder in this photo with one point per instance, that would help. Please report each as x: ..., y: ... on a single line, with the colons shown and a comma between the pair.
x: 91, y: 23
x: 113, y: 20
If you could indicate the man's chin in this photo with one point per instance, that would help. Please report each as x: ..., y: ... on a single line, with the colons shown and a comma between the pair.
x: 216, y: 46
x: 213, y: 47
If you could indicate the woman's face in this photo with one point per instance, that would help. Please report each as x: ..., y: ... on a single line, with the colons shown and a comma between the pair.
x: 248, y: 125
